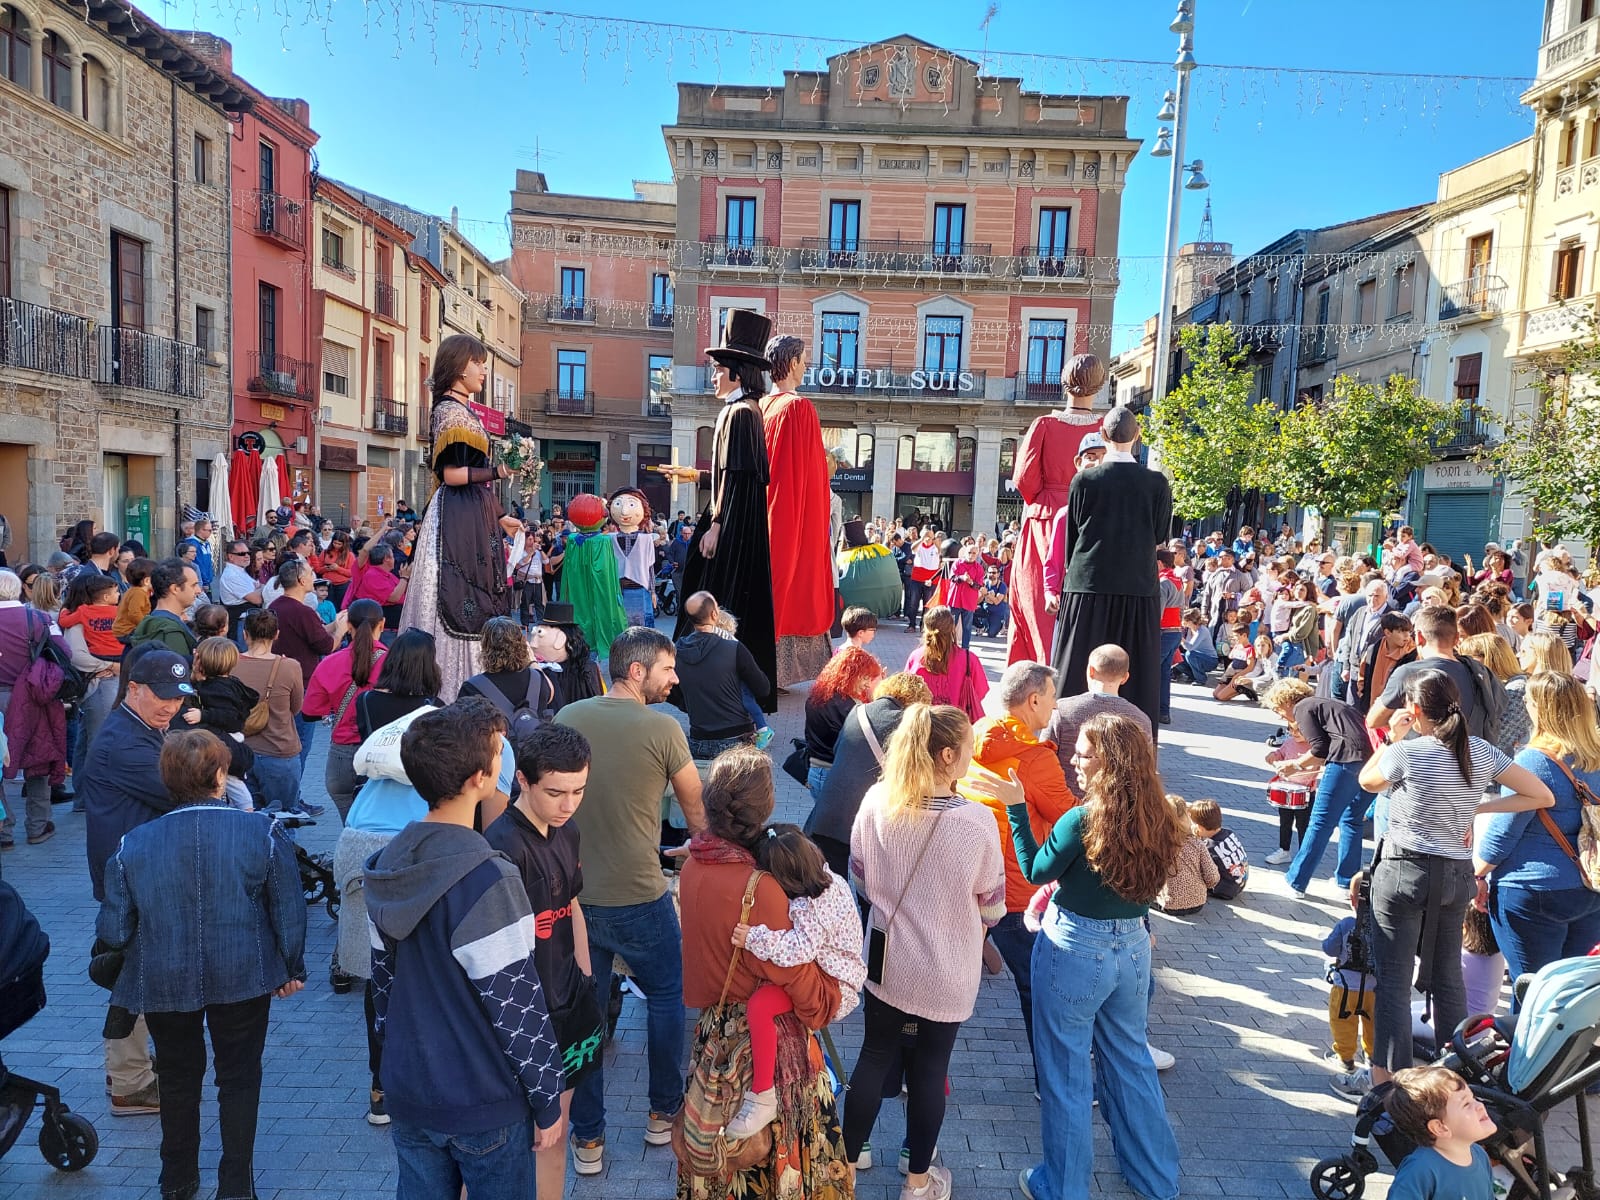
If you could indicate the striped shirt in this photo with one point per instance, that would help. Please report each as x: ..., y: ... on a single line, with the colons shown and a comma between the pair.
x: 1430, y: 805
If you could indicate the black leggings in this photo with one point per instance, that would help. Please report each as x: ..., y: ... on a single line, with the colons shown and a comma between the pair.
x: 926, y: 1069
x: 1290, y: 822
x: 374, y: 1042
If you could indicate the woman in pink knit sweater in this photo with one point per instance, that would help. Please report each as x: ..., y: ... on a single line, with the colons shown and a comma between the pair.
x: 929, y: 862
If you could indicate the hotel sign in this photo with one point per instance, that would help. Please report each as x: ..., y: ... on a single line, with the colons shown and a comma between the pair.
x: 882, y: 380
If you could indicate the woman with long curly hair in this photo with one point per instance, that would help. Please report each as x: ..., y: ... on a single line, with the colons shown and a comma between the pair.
x: 1108, y: 858
x: 847, y: 680
x: 955, y: 676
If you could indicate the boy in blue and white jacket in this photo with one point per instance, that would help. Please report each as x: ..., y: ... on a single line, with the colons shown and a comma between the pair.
x: 471, y: 1068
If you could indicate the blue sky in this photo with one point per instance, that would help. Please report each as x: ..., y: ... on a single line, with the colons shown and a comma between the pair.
x: 441, y: 108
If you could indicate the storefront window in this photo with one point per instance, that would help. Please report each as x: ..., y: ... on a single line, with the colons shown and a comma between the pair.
x: 966, y: 454
x: 1008, y: 457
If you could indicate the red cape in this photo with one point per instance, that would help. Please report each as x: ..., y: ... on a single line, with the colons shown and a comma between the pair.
x: 798, y: 506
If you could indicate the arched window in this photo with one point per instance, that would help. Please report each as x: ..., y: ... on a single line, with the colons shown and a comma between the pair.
x: 96, y: 93
x: 57, y: 70
x: 16, y: 48
x: 966, y: 453
x: 906, y: 452
x: 1008, y: 457
x: 703, y: 445
x: 865, y: 444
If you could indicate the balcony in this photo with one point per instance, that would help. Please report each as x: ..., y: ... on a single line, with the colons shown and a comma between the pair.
x: 1043, y: 262
x: 721, y: 251
x: 571, y: 308
x: 281, y: 219
x: 1557, y: 323
x: 560, y: 402
x: 1472, y: 429
x: 878, y: 256
x: 1318, y: 346
x: 660, y: 408
x: 386, y: 299
x: 131, y: 358
x: 1037, y: 387
x: 35, y: 338
x: 1261, y: 339
x: 389, y: 416
x: 279, y: 375
x: 1478, y: 296
x: 887, y: 381
x: 660, y: 317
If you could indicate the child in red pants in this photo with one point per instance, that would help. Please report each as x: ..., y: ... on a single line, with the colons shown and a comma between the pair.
x: 826, y: 930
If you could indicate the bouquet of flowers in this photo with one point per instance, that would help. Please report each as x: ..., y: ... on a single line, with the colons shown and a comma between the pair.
x: 518, y: 451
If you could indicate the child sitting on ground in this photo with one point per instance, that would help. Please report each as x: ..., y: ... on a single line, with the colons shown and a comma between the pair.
x: 1436, y: 1109
x: 224, y: 704
x: 1198, y: 649
x: 827, y: 930
x: 1483, y: 967
x: 1194, y: 873
x: 727, y: 626
x: 860, y: 626
x: 1225, y: 848
x: 1252, y: 683
x: 97, y: 614
x: 1293, y: 762
x: 1352, y: 985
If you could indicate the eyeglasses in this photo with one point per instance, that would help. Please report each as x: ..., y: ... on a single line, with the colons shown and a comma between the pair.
x: 238, y: 553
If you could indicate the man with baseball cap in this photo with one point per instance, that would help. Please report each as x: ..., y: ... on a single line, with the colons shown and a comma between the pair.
x: 121, y: 789
x: 1091, y: 451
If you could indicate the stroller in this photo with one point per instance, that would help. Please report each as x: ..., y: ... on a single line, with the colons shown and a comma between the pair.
x: 66, y: 1140
x: 316, y: 870
x: 1520, y: 1069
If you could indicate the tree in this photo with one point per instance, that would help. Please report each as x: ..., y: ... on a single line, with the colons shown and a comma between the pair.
x: 1208, y: 431
x: 1551, y: 456
x: 1353, y: 448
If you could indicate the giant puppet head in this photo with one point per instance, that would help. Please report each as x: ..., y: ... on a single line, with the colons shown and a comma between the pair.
x: 630, y: 509
x: 558, y: 639
x: 587, y: 511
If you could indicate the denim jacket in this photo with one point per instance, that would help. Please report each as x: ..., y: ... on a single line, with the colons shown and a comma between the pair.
x: 206, y: 902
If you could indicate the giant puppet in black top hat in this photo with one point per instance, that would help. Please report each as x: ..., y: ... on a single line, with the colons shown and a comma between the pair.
x: 729, y: 555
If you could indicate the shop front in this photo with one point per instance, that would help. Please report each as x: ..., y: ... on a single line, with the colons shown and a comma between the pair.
x: 339, y: 467
x: 1460, y: 509
x: 571, y: 468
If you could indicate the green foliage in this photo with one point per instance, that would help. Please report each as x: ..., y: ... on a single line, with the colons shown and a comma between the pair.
x: 1354, y: 448
x: 1208, y: 430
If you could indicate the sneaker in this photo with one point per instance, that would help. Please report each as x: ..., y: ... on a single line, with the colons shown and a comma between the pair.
x: 764, y: 738
x: 1343, y: 1066
x: 342, y: 984
x: 937, y: 1187
x: 1165, y: 718
x: 1162, y: 1060
x: 754, y: 1115
x: 1299, y: 893
x: 905, y: 1159
x: 1353, y: 1085
x: 588, y: 1158
x: 44, y: 835
x: 306, y: 808
x: 658, y: 1128
x: 1024, y: 1180
x: 377, y: 1114
x: 864, y: 1159
x: 143, y: 1103
x: 1278, y: 857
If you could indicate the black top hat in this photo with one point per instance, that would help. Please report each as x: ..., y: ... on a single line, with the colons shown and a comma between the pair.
x: 744, y: 339
x: 559, y: 613
x: 855, y: 534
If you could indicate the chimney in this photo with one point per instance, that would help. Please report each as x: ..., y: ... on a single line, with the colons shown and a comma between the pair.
x: 455, y: 217
x: 214, y: 51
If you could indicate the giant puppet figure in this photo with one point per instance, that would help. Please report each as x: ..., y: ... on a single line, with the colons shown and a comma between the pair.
x: 635, y: 546
x: 1043, y: 474
x: 798, y: 507
x: 589, y: 579
x: 729, y: 556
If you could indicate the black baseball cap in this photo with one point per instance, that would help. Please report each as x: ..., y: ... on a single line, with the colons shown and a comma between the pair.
x: 164, y: 673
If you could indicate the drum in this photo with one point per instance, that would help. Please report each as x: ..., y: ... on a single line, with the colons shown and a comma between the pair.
x: 1283, y: 794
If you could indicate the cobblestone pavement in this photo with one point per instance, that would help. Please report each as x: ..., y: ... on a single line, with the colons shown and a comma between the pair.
x: 1241, y: 1003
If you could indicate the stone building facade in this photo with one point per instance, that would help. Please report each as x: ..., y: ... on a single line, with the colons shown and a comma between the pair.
x: 110, y: 247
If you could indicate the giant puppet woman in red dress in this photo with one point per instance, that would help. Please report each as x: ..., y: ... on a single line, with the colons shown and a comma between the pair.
x: 1044, y: 473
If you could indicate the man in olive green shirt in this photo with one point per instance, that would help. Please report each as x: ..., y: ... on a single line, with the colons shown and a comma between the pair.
x: 638, y: 754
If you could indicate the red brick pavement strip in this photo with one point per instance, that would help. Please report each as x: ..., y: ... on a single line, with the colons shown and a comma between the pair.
x: 1240, y: 1002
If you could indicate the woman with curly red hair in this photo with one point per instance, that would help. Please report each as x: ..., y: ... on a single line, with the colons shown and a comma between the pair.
x: 846, y: 681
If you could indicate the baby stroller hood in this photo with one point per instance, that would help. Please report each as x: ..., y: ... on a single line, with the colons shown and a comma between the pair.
x: 1562, y: 1002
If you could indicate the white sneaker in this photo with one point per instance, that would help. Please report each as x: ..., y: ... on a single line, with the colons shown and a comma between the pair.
x: 1162, y: 1060
x: 1278, y: 857
x: 754, y: 1115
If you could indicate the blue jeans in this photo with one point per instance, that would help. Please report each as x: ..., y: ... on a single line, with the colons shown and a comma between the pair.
x: 648, y: 937
x: 1171, y: 639
x: 993, y: 617
x: 1290, y: 656
x: 1015, y: 941
x: 752, y: 707
x: 496, y: 1164
x: 97, y: 704
x: 1536, y: 926
x: 307, y: 727
x: 815, y: 778
x: 1339, y: 804
x: 1200, y: 665
x: 964, y: 617
x: 278, y: 780
x: 1092, y: 987
x: 638, y: 604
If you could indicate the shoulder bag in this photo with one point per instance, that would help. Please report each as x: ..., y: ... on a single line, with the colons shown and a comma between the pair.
x: 260, y: 716
x: 1587, y: 856
x: 719, y: 1076
x: 872, y: 738
x: 878, y: 936
x: 967, y: 695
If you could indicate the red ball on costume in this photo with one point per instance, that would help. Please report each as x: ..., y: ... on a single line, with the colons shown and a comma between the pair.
x: 586, y: 511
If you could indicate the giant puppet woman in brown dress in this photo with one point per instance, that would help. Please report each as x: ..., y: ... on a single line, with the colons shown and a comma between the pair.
x: 1044, y: 473
x: 458, y: 570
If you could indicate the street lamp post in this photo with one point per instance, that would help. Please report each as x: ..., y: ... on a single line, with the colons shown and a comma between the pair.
x: 1170, y: 143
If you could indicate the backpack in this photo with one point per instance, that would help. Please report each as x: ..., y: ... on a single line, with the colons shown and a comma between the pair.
x: 524, y: 717
x: 74, y: 683
x: 1489, y: 702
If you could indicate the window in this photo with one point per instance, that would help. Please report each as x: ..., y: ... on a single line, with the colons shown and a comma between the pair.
x: 336, y: 368
x: 96, y: 87
x: 929, y: 452
x: 949, y: 228
x: 702, y: 443
x: 1568, y: 271
x: 572, y: 285
x: 661, y: 300
x: 1324, y: 299
x: 1244, y: 307
x: 16, y: 48
x: 1047, y: 351
x: 127, y: 281
x: 1469, y: 377
x: 1567, y: 144
x: 267, y: 298
x: 1055, y: 232
x: 844, y: 226
x: 1008, y: 457
x: 5, y: 242
x: 382, y: 355
x: 1400, y: 292
x: 57, y: 56
x: 741, y: 220
x: 202, y: 159
x: 204, y: 328
x: 427, y: 315
x: 658, y: 376
x: 941, y: 344
x: 1585, y: 10
x: 1592, y: 143
x: 1263, y: 388
x: 202, y: 484
x: 866, y: 445
x: 1367, y: 302
x: 332, y: 248
x: 572, y: 374
x: 1271, y: 310
x: 966, y: 454
x: 841, y: 339
x: 905, y: 450
x: 267, y: 161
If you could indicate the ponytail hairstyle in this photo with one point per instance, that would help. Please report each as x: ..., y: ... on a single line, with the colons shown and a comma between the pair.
x: 738, y: 796
x: 793, y: 859
x: 938, y: 638
x: 912, y: 772
x: 366, y: 622
x: 1436, y: 696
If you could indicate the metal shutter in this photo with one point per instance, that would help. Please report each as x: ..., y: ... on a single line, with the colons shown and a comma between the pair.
x: 1458, y: 524
x: 335, y: 502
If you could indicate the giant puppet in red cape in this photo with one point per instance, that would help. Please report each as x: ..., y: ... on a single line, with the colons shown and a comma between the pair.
x: 798, y: 509
x: 1043, y: 474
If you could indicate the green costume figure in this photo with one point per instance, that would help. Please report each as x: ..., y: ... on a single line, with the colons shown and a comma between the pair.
x: 868, y: 577
x: 589, y: 575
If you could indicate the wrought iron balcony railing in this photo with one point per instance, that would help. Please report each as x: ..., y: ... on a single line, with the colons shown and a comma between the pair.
x: 389, y: 416
x: 1048, y: 262
x: 1476, y: 296
x: 561, y: 402
x: 131, y: 358
x: 36, y: 338
x: 740, y: 251
x: 386, y: 299
x: 891, y: 256
x: 570, y: 308
x: 279, y: 217
x: 1472, y: 428
x: 279, y: 375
